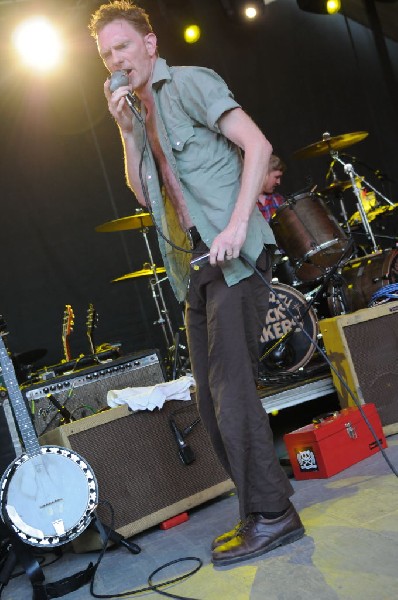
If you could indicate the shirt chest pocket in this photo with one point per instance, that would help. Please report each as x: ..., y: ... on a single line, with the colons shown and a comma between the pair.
x: 180, y: 136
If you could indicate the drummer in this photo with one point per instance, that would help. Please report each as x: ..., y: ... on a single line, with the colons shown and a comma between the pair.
x: 268, y: 201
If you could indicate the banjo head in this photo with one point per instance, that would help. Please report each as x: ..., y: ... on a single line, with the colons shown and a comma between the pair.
x: 48, y: 498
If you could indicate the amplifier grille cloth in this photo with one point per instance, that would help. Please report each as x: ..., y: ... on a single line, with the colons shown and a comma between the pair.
x: 373, y: 345
x: 136, y: 462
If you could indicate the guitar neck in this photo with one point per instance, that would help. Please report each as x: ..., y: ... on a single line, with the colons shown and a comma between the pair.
x: 91, y: 324
x: 90, y: 336
x: 22, y: 416
x: 67, y: 327
x: 67, y: 352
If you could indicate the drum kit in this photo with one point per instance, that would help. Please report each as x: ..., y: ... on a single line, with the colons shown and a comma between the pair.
x: 142, y: 221
x: 321, y: 271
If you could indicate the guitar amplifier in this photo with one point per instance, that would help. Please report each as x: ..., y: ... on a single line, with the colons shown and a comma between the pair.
x: 84, y: 392
x: 363, y: 348
x: 136, y: 460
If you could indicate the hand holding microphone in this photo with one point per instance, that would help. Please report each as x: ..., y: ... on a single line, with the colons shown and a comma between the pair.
x: 120, y: 79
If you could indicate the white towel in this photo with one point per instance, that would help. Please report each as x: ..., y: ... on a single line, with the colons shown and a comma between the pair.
x: 153, y: 396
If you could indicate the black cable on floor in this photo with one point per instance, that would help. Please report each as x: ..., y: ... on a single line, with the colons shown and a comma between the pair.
x: 151, y: 586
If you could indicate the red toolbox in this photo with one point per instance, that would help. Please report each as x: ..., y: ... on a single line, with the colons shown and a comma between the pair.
x: 334, y: 442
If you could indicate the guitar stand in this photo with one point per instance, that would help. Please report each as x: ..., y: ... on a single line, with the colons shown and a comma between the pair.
x: 21, y: 553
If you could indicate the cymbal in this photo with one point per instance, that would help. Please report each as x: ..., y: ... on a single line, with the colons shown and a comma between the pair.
x: 142, y: 273
x: 336, y: 186
x: 329, y: 143
x: 369, y: 204
x: 138, y: 221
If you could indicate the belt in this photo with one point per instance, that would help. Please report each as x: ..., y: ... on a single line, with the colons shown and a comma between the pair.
x: 193, y: 237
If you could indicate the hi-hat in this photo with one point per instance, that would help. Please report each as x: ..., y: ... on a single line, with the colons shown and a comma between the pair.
x: 138, y: 221
x: 142, y: 273
x: 329, y: 143
x: 336, y: 186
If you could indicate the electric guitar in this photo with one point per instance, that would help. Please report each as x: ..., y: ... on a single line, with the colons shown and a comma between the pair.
x: 47, y: 495
x: 67, y: 328
x: 92, y: 321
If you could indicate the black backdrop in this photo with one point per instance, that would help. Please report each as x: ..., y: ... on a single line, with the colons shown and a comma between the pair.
x: 297, y: 74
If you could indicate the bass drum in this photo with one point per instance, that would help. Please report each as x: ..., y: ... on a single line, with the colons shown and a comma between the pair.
x: 309, y: 234
x: 287, y: 305
x: 360, y: 278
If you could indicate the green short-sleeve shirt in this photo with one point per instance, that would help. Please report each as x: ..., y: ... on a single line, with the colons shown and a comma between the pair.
x: 189, y: 102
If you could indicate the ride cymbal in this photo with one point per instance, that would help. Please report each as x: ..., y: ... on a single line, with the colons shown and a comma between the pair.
x: 142, y: 273
x: 138, y: 221
x: 329, y: 143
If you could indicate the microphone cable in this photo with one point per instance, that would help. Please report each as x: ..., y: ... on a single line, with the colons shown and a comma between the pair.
x: 151, y: 587
x: 119, y: 79
x: 329, y: 363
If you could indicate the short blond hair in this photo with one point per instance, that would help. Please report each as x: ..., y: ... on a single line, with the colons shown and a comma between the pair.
x: 120, y: 9
x: 276, y: 164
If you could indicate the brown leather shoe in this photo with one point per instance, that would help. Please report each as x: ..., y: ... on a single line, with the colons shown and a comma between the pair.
x: 258, y: 536
x: 228, y: 535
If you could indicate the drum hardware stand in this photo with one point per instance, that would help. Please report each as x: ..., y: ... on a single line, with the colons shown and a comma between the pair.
x: 157, y: 295
x: 382, y: 237
x: 331, y: 173
x: 177, y: 363
x: 348, y: 168
x: 330, y: 275
x: 172, y: 341
x: 164, y: 319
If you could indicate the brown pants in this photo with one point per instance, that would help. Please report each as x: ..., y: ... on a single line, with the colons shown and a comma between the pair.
x: 224, y: 326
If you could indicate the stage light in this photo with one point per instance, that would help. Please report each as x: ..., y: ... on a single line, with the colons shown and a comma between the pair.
x: 191, y: 34
x: 333, y: 6
x: 320, y: 7
x: 38, y: 43
x: 250, y: 11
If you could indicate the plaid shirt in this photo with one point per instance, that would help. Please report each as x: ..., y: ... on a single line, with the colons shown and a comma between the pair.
x: 271, y: 204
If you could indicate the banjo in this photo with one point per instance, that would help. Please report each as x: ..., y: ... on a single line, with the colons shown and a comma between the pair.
x: 49, y: 493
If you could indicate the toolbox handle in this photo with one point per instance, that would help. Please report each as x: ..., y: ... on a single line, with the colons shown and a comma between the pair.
x: 329, y: 416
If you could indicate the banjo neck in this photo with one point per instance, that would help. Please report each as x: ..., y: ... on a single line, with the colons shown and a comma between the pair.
x: 27, y: 431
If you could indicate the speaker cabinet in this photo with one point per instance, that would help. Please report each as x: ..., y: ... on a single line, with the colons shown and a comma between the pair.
x: 363, y: 348
x: 84, y: 392
x: 135, y: 457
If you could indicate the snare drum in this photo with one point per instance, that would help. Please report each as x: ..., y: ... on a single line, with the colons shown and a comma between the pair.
x: 296, y: 349
x: 360, y: 279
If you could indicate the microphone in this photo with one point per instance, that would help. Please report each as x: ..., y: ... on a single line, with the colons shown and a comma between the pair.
x: 119, y: 79
x: 66, y: 415
x: 185, y: 452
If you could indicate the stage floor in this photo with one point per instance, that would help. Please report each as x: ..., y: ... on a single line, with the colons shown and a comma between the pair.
x: 349, y: 551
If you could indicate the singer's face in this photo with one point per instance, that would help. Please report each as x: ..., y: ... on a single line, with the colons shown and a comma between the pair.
x: 122, y: 47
